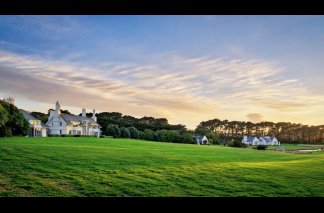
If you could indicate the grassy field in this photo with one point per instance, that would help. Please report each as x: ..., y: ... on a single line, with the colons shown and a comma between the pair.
x: 119, y: 167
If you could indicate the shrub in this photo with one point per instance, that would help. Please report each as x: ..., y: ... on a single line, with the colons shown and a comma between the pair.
x: 124, y: 132
x: 63, y: 135
x: 113, y: 130
x: 235, y: 143
x: 76, y: 135
x: 261, y: 147
x: 187, y: 138
x: 133, y: 132
x: 148, y: 135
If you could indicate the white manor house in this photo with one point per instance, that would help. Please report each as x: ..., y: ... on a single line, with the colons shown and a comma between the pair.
x: 67, y: 124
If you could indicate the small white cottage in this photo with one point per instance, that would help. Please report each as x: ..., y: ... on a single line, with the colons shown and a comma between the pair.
x: 202, y: 140
x: 254, y: 141
x: 250, y: 140
x: 68, y: 124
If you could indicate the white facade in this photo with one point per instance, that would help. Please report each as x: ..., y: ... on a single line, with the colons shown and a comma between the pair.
x: 201, y: 140
x: 67, y: 124
x: 36, y: 128
x: 254, y: 141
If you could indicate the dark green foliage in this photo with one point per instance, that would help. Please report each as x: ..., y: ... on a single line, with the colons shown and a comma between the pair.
x: 124, y: 132
x: 236, y: 143
x: 65, y: 111
x: 187, y: 138
x: 4, y: 116
x: 148, y: 135
x: 141, y: 135
x: 113, y: 130
x: 261, y: 147
x: 41, y: 116
x: 202, y: 131
x: 12, y: 121
x: 133, y: 132
x: 52, y: 135
x: 213, y: 138
x: 106, y: 118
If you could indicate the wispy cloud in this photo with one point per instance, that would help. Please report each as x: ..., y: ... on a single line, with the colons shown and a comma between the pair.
x: 185, y: 90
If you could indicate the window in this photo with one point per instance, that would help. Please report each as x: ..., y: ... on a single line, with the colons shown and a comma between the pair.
x: 60, y: 132
x: 60, y: 123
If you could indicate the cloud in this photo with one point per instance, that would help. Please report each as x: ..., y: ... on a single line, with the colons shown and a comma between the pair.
x: 254, y: 117
x: 182, y: 89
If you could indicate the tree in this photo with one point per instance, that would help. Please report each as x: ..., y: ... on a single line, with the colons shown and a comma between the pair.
x: 201, y: 131
x: 41, y: 116
x: 124, y: 132
x: 141, y: 135
x: 187, y: 138
x: 148, y: 135
x: 12, y: 122
x: 133, y: 132
x: 66, y: 111
x: 113, y: 130
x: 4, y: 116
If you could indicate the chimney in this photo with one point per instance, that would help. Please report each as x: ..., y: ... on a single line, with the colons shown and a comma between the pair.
x: 94, y: 115
x: 84, y: 112
x: 58, y: 108
x: 50, y: 114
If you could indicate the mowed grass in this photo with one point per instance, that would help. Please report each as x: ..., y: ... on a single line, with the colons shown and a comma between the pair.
x: 119, y: 167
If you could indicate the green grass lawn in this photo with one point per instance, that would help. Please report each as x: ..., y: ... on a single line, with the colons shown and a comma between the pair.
x: 119, y: 167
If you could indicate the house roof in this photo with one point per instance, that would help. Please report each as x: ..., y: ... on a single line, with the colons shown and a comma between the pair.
x: 250, y: 138
x: 28, y: 116
x: 266, y: 139
x: 74, y: 118
x: 199, y: 137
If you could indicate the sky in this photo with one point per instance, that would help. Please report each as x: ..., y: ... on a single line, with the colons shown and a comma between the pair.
x: 187, y: 69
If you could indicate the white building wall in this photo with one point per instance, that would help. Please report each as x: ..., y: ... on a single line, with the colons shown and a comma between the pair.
x: 44, y: 132
x: 55, y: 126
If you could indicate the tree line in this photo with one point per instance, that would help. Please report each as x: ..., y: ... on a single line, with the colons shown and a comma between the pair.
x: 158, y: 129
x: 285, y: 132
x: 172, y: 136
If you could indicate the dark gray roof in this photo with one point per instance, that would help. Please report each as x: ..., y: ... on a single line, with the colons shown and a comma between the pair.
x: 267, y: 139
x: 74, y: 118
x: 199, y: 137
x: 250, y: 139
x: 28, y: 116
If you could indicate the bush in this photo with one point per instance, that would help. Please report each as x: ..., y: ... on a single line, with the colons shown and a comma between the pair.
x: 235, y: 143
x: 261, y: 147
x: 124, y: 132
x: 148, y: 135
x: 187, y: 138
x: 76, y: 135
x: 113, y: 130
x: 63, y: 135
x: 133, y: 132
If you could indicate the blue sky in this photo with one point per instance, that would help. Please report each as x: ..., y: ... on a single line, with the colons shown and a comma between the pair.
x: 184, y: 68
